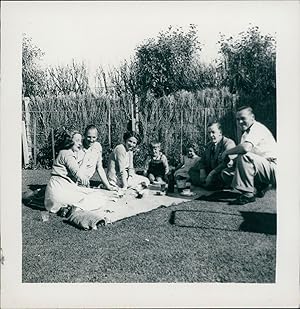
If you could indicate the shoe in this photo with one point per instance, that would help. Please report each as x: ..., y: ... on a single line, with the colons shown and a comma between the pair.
x: 64, y: 211
x: 242, y: 200
x: 261, y: 190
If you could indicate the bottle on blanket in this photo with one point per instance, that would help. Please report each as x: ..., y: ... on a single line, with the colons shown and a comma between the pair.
x: 171, y: 183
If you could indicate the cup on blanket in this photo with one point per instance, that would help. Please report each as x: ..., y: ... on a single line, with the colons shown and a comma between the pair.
x: 45, y: 216
x: 163, y: 187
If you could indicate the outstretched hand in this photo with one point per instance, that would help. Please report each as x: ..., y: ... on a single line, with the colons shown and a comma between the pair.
x: 225, y: 157
x: 209, y: 178
x: 111, y: 188
x: 84, y: 180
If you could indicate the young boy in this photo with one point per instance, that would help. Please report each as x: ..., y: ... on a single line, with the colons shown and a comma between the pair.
x: 156, y: 166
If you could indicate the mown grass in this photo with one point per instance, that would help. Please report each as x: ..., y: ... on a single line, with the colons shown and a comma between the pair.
x: 196, y: 241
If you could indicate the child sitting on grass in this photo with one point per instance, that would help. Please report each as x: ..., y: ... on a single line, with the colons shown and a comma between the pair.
x: 156, y: 166
x: 189, y: 160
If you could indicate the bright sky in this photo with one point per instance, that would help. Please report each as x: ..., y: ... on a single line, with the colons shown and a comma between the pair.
x: 107, y: 32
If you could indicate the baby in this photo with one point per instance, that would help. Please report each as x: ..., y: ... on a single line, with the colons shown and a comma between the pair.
x: 156, y: 166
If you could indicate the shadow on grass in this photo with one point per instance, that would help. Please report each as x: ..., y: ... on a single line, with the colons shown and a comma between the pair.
x: 219, y: 196
x: 34, y: 198
x: 259, y: 222
x: 255, y: 222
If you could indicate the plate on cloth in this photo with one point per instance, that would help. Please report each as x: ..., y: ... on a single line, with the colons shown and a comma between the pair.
x: 187, y: 193
x: 157, y: 183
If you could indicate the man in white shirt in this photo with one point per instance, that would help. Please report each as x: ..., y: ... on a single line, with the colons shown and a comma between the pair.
x: 256, y: 161
x: 90, y: 157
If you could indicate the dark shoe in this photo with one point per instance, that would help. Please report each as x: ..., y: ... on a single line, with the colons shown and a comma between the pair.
x: 64, y: 211
x: 261, y: 190
x: 242, y: 200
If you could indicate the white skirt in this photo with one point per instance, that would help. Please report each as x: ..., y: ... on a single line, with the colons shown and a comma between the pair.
x: 62, y: 193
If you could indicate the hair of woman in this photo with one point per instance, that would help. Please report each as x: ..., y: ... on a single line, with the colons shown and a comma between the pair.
x: 89, y: 127
x: 64, y: 140
x: 130, y: 134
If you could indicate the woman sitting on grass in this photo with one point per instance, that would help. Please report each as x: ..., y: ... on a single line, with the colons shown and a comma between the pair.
x: 120, y: 171
x: 156, y: 166
x: 62, y: 190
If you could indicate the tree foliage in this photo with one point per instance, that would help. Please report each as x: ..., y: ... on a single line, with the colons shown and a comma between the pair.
x: 32, y: 74
x: 163, y: 64
x: 249, y: 63
x: 67, y: 79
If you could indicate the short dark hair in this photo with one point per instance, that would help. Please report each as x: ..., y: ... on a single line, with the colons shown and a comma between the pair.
x: 155, y: 144
x: 249, y: 108
x: 90, y: 127
x: 130, y: 134
x: 217, y: 123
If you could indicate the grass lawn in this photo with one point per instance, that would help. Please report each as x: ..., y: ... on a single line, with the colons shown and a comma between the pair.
x: 196, y: 241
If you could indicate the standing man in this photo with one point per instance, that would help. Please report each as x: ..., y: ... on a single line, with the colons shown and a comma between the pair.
x: 91, y: 157
x: 256, y: 161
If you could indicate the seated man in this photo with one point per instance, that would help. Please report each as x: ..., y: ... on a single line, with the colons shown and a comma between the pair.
x: 211, y: 164
x: 256, y: 161
x: 90, y: 157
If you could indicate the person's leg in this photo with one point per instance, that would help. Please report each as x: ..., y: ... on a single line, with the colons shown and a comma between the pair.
x: 250, y: 169
x: 227, y: 175
x: 137, y: 180
x: 159, y: 179
x: 151, y: 178
x: 194, y: 175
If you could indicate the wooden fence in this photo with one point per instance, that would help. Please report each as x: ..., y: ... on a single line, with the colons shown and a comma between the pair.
x: 176, y: 120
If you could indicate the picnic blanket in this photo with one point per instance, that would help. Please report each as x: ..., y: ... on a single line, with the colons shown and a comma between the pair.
x: 113, y: 207
x: 108, y: 206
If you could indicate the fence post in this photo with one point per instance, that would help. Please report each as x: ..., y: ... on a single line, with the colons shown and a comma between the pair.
x: 205, y: 124
x: 136, y: 105
x: 132, y: 116
x: 27, y: 126
x: 34, y: 142
x: 109, y: 122
x: 108, y: 109
x: 25, y: 146
x: 181, y: 131
x: 53, y: 144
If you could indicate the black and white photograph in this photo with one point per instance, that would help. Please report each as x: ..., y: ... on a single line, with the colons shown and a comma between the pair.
x: 147, y: 157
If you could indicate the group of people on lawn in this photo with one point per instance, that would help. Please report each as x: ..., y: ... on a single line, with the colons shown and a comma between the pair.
x: 248, y: 168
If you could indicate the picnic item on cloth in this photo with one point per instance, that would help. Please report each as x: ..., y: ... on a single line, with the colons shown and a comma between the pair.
x: 181, y: 183
x: 187, y: 192
x: 87, y: 220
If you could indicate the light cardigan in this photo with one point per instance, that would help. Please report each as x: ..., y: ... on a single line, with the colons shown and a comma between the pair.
x: 66, y: 165
x: 120, y: 163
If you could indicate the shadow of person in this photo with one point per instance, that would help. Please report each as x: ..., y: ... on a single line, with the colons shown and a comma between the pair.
x: 258, y: 222
x: 34, y: 198
x: 255, y: 222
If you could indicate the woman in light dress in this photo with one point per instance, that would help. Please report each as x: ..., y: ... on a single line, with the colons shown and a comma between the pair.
x: 120, y: 172
x: 62, y: 190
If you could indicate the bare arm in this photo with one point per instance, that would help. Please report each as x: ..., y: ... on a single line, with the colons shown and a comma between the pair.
x: 166, y: 164
x: 102, y: 175
x: 121, y: 159
x: 239, y: 149
x: 146, y: 166
x: 101, y: 171
x: 73, y: 167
